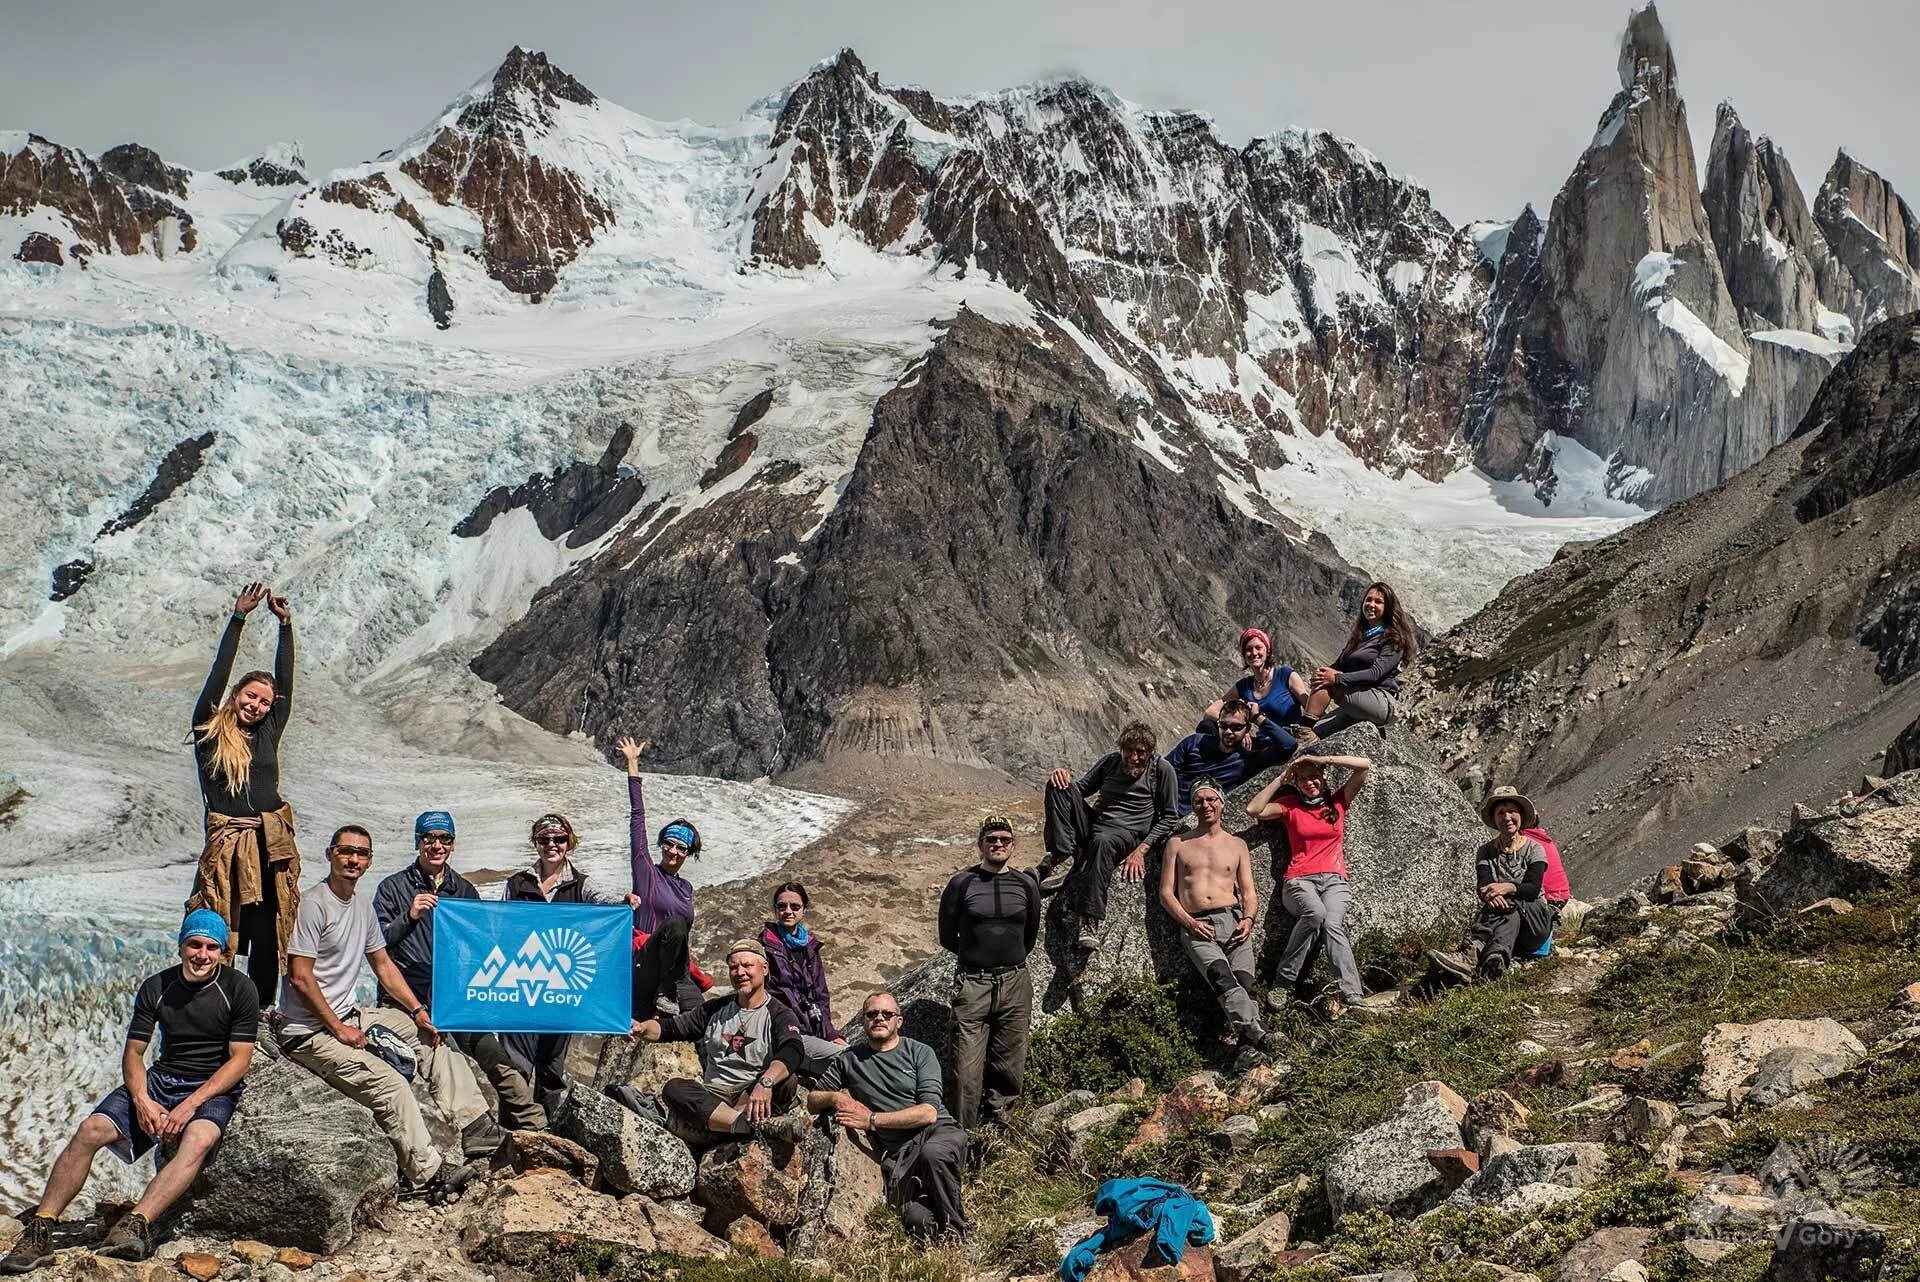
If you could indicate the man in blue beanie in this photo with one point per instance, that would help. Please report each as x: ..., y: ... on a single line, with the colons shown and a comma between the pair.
x: 208, y: 1015
x: 404, y: 904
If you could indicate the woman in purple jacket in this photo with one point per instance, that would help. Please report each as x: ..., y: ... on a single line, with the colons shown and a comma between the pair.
x: 666, y: 979
x: 1363, y: 683
x: 797, y: 976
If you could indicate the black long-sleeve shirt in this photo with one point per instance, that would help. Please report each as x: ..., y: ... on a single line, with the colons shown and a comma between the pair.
x: 259, y: 792
x: 989, y: 920
x: 1526, y: 867
x: 1147, y: 805
x: 410, y: 939
x: 1372, y: 664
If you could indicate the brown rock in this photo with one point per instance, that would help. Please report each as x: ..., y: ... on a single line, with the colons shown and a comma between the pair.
x: 1548, y: 1072
x: 257, y: 1254
x: 293, y: 1258
x: 1596, y: 1257
x: 1648, y: 1120
x: 1829, y: 907
x: 1909, y: 998
x: 1698, y: 875
x: 1494, y: 1113
x: 1136, y: 1089
x: 1631, y: 1059
x: 745, y: 1180
x: 679, y: 1235
x: 1253, y: 1250
x: 1669, y: 885
x: 1193, y: 1102
x: 750, y: 1237
x: 1455, y: 1165
x: 1128, y: 1264
x: 526, y: 1218
x: 1446, y: 1096
x: 525, y: 1151
x: 199, y: 1265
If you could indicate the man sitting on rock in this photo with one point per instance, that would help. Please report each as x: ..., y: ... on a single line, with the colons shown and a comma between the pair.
x: 1116, y: 812
x: 207, y: 1014
x: 1225, y: 750
x: 750, y: 1051
x: 355, y: 1051
x: 889, y: 1088
x: 1206, y: 885
x: 404, y: 903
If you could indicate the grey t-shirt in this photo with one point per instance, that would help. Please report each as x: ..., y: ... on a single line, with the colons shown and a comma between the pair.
x: 1501, y: 864
x: 338, y: 934
x: 888, y: 1081
x: 737, y: 1044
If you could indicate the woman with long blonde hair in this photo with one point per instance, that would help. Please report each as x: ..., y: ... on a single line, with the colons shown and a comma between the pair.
x: 249, y: 868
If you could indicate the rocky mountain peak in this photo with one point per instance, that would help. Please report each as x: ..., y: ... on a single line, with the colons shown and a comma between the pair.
x: 133, y: 163
x: 525, y: 88
x: 82, y: 207
x: 1646, y: 58
x: 1875, y: 272
x: 1765, y: 235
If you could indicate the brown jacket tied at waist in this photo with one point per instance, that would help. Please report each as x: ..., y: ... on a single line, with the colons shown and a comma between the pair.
x: 229, y: 873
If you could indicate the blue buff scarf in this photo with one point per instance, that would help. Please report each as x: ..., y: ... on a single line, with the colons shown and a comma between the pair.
x: 797, y: 939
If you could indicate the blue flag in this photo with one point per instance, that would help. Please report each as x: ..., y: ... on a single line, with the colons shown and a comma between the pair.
x: 532, y: 968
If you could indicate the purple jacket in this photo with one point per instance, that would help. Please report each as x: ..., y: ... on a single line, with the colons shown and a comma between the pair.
x: 661, y: 896
x: 798, y: 978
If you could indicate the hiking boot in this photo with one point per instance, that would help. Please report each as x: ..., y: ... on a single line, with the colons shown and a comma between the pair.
x: 1051, y: 873
x: 482, y: 1137
x: 1493, y: 966
x: 788, y: 1128
x: 645, y: 1105
x: 130, y: 1239
x: 444, y: 1187
x: 1331, y: 1006
x: 1089, y: 936
x: 1248, y: 1058
x: 1304, y: 736
x: 33, y: 1249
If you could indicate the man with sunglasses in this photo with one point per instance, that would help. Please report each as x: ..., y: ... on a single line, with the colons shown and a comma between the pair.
x: 888, y: 1087
x: 989, y: 921
x: 404, y: 905
x: 324, y: 1030
x: 1227, y: 750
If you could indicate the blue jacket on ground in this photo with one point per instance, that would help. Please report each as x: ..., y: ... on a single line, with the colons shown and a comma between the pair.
x: 1175, y: 1217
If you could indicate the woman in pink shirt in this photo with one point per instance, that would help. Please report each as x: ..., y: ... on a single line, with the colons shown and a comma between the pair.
x: 1314, y: 874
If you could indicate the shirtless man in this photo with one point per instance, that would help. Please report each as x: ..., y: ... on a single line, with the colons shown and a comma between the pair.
x: 1206, y: 884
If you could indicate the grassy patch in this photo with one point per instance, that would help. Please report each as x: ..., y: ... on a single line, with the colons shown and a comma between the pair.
x: 1128, y: 1030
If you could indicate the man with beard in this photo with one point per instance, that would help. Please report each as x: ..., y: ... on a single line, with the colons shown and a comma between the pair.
x: 1116, y: 812
x: 989, y: 921
x: 750, y: 1051
x: 404, y: 904
x: 1206, y: 885
x: 208, y: 1015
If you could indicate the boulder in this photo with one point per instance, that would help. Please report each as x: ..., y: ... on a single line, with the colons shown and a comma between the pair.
x: 1791, y: 1069
x: 1826, y: 1247
x: 746, y: 1180
x: 1752, y: 843
x: 525, y: 1151
x: 1648, y: 1121
x: 1595, y: 1258
x: 1573, y: 1166
x: 1235, y: 1134
x: 844, y: 1183
x: 1386, y: 1166
x: 1832, y: 857
x: 751, y: 1238
x: 1455, y: 1165
x: 1534, y: 1199
x: 678, y: 1234
x: 1193, y: 1102
x: 1089, y: 1122
x: 1072, y: 1102
x: 1732, y: 1053
x: 301, y: 1165
x: 1410, y: 848
x: 524, y: 1220
x: 1127, y: 1263
x: 635, y: 1155
x: 1253, y: 1251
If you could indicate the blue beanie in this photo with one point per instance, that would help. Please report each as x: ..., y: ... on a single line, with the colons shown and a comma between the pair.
x: 207, y: 924
x: 433, y: 821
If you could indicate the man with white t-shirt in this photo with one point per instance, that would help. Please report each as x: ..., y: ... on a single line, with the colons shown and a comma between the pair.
x: 356, y: 1050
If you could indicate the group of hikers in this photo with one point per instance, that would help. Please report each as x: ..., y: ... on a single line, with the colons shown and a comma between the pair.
x: 770, y: 1038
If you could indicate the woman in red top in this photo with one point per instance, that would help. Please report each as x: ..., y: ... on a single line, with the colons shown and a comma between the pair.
x: 1314, y: 879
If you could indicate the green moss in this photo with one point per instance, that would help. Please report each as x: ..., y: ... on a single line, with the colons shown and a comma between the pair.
x: 1128, y: 1030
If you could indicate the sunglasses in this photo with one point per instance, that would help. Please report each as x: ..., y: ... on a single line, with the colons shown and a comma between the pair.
x: 436, y: 839
x: 351, y: 850
x: 879, y: 1014
x: 998, y: 839
x: 791, y: 906
x: 551, y: 839
x: 672, y: 844
x: 1231, y: 727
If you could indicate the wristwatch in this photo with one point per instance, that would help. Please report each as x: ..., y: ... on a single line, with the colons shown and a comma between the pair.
x: 766, y: 1084
x: 415, y: 1012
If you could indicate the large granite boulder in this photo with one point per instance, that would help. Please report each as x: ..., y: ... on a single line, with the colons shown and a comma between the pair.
x: 1410, y: 843
x: 1851, y: 851
x: 1386, y: 1166
x: 636, y: 1155
x: 1733, y: 1055
x: 1566, y: 1166
x: 525, y: 1220
x: 301, y: 1165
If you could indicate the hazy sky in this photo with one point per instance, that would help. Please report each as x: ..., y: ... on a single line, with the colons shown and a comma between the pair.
x: 1488, y: 103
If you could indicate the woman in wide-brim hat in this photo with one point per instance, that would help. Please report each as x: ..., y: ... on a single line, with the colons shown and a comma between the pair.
x: 1516, y: 918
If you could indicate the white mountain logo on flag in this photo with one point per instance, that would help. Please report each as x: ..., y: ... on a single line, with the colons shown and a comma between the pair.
x: 550, y: 961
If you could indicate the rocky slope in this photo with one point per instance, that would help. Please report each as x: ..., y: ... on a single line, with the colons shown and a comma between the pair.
x: 1754, y: 643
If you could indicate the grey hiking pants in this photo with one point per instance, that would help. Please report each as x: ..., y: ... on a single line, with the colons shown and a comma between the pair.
x: 520, y: 1108
x: 1515, y: 931
x: 1227, y: 968
x: 992, y: 1016
x: 1318, y: 904
x: 1351, y: 707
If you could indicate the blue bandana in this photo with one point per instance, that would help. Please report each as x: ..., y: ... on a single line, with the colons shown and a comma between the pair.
x: 1374, y: 631
x: 433, y: 821
x: 799, y: 937
x: 207, y: 924
x: 680, y: 833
